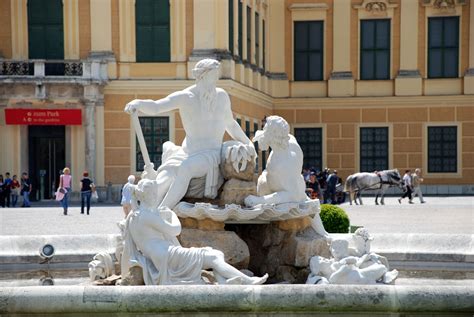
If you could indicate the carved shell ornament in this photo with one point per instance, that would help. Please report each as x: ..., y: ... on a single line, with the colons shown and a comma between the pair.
x: 444, y: 4
x: 376, y: 7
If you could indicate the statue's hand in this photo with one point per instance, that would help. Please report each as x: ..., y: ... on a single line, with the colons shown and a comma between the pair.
x: 240, y: 154
x: 132, y: 106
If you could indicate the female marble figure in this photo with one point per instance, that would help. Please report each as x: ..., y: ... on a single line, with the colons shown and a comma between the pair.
x: 151, y: 243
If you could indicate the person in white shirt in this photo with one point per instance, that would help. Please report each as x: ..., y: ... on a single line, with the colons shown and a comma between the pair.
x: 416, y: 182
x: 408, y: 187
x: 127, y: 195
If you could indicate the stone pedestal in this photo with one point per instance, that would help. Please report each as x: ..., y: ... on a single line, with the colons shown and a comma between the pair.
x: 282, y: 249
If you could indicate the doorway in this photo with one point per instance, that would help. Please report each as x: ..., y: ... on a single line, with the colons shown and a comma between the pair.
x: 46, y: 158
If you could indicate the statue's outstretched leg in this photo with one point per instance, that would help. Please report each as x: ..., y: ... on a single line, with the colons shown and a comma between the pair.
x: 215, y: 260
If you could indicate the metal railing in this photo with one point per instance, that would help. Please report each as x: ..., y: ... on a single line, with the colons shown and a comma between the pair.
x: 82, y: 69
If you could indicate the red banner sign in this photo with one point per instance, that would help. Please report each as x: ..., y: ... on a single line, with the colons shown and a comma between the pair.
x: 43, y: 116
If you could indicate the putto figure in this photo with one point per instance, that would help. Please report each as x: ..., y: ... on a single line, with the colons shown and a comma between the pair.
x: 206, y: 115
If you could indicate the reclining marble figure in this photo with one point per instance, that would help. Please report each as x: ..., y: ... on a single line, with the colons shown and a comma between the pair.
x: 150, y: 242
x: 281, y: 181
x: 370, y: 268
x: 206, y: 115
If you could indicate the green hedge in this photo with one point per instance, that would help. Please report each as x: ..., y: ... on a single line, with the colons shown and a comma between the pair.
x: 334, y: 218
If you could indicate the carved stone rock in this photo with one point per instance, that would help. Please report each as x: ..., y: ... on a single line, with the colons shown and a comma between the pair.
x: 235, y: 250
x: 235, y: 191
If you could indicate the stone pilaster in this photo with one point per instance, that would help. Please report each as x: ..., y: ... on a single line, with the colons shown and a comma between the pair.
x: 469, y: 75
x: 341, y: 82
x: 408, y: 81
x: 278, y: 85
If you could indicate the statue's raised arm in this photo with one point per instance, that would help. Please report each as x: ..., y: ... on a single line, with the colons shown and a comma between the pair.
x: 152, y: 107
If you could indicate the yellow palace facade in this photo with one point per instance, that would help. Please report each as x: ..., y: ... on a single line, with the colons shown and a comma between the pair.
x: 365, y: 84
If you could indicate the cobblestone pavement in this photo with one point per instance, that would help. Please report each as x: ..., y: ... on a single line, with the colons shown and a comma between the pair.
x: 439, y: 215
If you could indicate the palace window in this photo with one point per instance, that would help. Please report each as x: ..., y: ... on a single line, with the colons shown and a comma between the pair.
x: 152, y: 30
x: 442, y: 150
x: 156, y: 132
x: 310, y: 141
x: 443, y: 47
x: 241, y: 31
x: 45, y: 30
x: 308, y: 50
x: 257, y: 40
x: 231, y: 27
x: 249, y: 36
x: 375, y: 49
x: 373, y: 149
x: 263, y: 44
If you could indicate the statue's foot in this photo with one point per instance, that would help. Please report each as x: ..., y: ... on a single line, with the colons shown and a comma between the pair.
x: 389, y: 277
x: 258, y: 280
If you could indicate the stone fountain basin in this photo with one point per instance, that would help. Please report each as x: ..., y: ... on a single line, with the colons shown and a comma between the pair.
x: 343, y: 300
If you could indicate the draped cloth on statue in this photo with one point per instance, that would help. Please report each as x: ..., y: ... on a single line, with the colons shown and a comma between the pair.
x: 169, y: 264
x: 173, y: 157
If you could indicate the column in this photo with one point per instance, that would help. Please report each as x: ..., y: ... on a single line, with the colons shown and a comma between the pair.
x: 211, y: 34
x: 71, y: 29
x: 90, y: 137
x: 178, y: 30
x: 469, y: 76
x: 101, y: 25
x: 408, y: 81
x: 19, y: 27
x: 127, y: 30
x: 278, y: 85
x: 341, y: 82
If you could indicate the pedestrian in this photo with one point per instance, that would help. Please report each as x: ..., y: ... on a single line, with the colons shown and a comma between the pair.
x: 25, y: 189
x: 331, y: 187
x: 15, y: 188
x: 87, y: 186
x: 416, y: 182
x: 127, y: 195
x: 7, y: 191
x: 65, y: 182
x: 408, y: 188
x: 312, y: 186
x: 2, y: 191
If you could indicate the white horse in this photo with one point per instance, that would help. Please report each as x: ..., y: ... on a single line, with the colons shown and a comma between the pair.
x: 379, y: 182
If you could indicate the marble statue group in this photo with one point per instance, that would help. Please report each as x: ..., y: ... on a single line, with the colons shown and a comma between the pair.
x: 195, y: 168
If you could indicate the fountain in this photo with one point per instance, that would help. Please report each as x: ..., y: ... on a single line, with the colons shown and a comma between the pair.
x: 203, y: 218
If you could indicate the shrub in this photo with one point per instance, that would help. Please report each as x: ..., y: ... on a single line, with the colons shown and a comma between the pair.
x: 334, y: 218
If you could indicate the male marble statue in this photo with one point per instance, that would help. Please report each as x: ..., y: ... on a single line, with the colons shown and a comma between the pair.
x: 206, y: 115
x: 150, y: 242
x: 281, y: 182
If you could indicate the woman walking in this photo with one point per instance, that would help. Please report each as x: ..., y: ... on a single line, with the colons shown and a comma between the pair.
x: 86, y: 192
x: 65, y: 181
x: 15, y: 188
x: 25, y: 189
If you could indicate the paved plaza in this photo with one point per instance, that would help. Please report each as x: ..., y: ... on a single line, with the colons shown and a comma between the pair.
x: 453, y: 215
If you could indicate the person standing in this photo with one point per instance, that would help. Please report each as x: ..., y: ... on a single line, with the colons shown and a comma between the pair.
x: 15, y: 188
x: 312, y: 186
x: 25, y: 189
x: 331, y: 187
x: 408, y: 188
x: 417, y: 180
x: 2, y: 191
x: 86, y: 192
x: 7, y: 188
x: 65, y: 181
x: 127, y: 195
